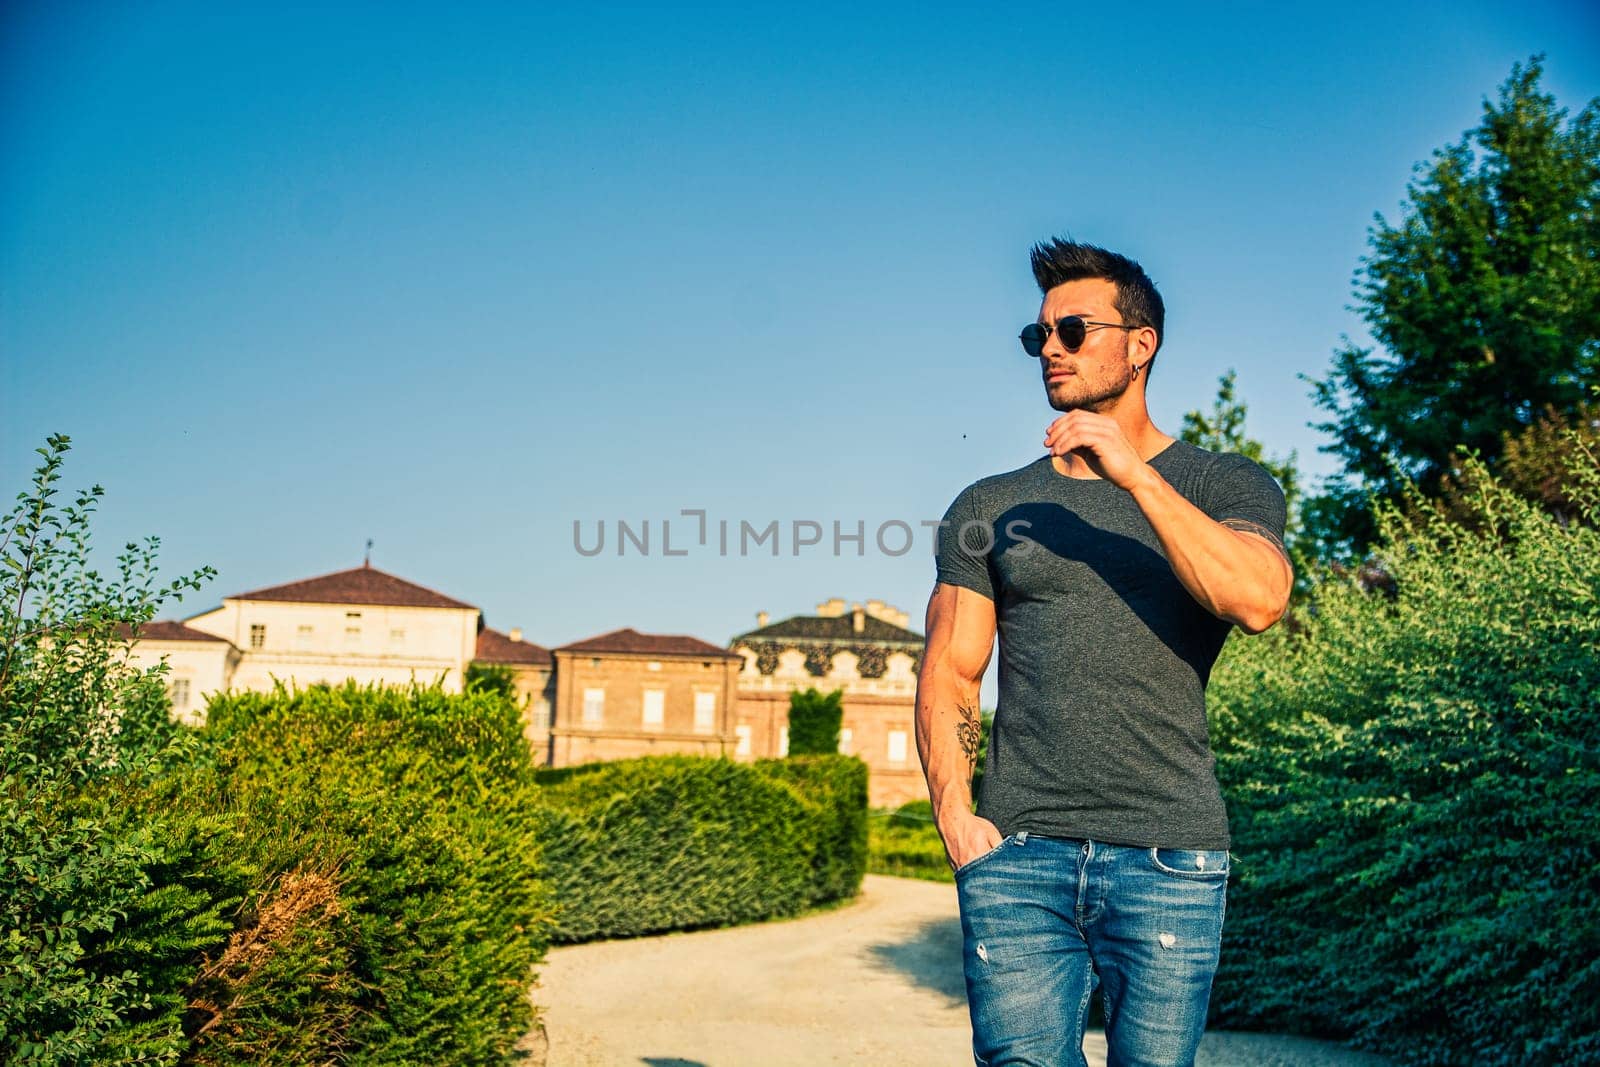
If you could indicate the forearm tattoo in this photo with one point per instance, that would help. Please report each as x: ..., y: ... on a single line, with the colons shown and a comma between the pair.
x: 969, y: 731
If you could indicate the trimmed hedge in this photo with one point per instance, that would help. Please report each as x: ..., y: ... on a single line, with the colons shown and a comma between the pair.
x: 399, y: 909
x: 1413, y: 781
x: 905, y: 843
x: 675, y: 842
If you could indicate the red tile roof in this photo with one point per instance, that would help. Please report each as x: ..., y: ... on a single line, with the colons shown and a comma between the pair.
x: 168, y: 630
x: 359, y: 585
x: 496, y: 647
x: 632, y: 641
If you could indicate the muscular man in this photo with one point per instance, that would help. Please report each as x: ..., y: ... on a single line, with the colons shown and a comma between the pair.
x: 1113, y: 567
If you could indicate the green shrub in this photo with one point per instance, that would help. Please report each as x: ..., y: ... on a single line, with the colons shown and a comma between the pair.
x: 675, y: 842
x: 101, y: 910
x: 835, y: 833
x: 1412, y: 781
x: 906, y: 843
x: 814, y: 719
x: 402, y: 907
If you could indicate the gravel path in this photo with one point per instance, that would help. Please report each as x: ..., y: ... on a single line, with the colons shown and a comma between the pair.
x: 876, y: 982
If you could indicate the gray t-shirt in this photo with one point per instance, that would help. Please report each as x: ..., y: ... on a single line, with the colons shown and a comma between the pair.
x: 1101, y: 727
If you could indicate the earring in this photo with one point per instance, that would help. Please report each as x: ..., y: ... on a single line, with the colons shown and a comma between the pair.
x: 1137, y: 367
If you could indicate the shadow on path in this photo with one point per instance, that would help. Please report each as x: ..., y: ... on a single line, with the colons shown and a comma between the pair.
x: 670, y: 1061
x: 930, y: 957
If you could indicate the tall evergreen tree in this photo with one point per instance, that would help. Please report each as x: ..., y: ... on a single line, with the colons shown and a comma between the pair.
x: 1484, y: 301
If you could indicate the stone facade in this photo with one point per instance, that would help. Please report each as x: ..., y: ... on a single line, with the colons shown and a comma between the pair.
x: 625, y: 694
x: 613, y: 696
x: 361, y: 625
x: 198, y: 664
x: 868, y: 652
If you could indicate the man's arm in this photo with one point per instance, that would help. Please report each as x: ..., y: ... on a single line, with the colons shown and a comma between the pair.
x: 1239, y: 575
x: 961, y: 626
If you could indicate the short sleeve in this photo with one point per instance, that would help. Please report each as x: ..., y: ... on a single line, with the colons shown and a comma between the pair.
x: 963, y: 551
x: 1240, y: 493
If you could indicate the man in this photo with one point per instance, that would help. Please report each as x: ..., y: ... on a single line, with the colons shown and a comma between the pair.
x: 1113, y: 567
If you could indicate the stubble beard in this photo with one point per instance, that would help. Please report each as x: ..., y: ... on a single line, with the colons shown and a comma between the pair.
x: 1100, y: 399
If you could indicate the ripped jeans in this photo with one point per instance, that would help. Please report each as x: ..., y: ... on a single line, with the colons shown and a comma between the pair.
x: 1046, y: 919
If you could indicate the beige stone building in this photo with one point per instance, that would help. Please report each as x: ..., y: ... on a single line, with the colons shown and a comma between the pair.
x: 361, y: 624
x: 615, y: 695
x: 198, y: 664
x: 869, y: 652
x: 626, y: 693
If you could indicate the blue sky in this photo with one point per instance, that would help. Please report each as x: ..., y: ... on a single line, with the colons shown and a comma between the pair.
x: 452, y: 277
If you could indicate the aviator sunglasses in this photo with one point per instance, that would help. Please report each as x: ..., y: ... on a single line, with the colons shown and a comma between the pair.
x: 1072, y: 329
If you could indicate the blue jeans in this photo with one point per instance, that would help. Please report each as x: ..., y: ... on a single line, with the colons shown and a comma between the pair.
x: 1046, y: 919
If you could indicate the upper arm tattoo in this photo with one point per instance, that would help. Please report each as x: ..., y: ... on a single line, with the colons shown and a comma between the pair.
x: 1246, y: 526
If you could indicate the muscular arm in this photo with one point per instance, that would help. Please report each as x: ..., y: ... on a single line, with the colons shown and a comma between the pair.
x: 961, y: 627
x: 1235, y: 572
x: 1238, y: 574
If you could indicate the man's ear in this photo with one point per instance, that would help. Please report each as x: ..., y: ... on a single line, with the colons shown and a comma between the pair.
x: 1144, y: 345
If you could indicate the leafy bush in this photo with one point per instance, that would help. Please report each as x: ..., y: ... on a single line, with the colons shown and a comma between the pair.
x: 402, y: 906
x: 674, y: 842
x: 1412, y: 782
x: 814, y: 719
x: 99, y: 905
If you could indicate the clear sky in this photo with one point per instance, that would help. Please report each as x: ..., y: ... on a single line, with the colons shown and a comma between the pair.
x: 453, y: 277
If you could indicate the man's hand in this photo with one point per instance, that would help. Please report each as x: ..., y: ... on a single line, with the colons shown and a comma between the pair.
x: 967, y: 837
x: 1099, y: 442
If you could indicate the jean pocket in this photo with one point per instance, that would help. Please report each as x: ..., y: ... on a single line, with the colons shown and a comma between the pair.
x: 1197, y: 863
x: 967, y: 866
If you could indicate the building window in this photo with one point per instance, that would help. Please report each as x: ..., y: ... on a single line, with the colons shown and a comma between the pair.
x: 655, y: 708
x: 352, y: 635
x: 594, y: 707
x: 397, y: 637
x: 180, y: 692
x: 356, y: 615
x: 541, y: 714
x: 897, y: 746
x: 705, y: 713
x: 653, y: 665
x: 783, y: 741
x: 303, y: 636
x: 743, y: 734
x: 258, y: 634
x: 847, y: 742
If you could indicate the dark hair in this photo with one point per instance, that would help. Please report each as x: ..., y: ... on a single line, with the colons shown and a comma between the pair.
x: 1138, y: 303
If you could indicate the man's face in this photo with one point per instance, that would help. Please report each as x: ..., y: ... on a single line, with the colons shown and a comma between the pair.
x: 1096, y: 375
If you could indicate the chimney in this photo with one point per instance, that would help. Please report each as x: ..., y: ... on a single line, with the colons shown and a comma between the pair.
x: 761, y: 618
x: 858, y: 618
x: 516, y: 633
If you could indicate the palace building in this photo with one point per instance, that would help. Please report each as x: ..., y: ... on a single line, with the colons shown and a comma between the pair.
x: 611, y: 696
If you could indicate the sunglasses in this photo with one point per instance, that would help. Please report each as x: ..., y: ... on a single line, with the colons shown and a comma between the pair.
x: 1072, y: 329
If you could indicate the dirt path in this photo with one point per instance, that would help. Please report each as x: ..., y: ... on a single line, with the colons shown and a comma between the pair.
x: 876, y: 982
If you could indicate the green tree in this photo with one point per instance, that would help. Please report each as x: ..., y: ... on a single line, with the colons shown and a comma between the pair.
x: 814, y: 719
x: 1222, y: 430
x: 1484, y: 302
